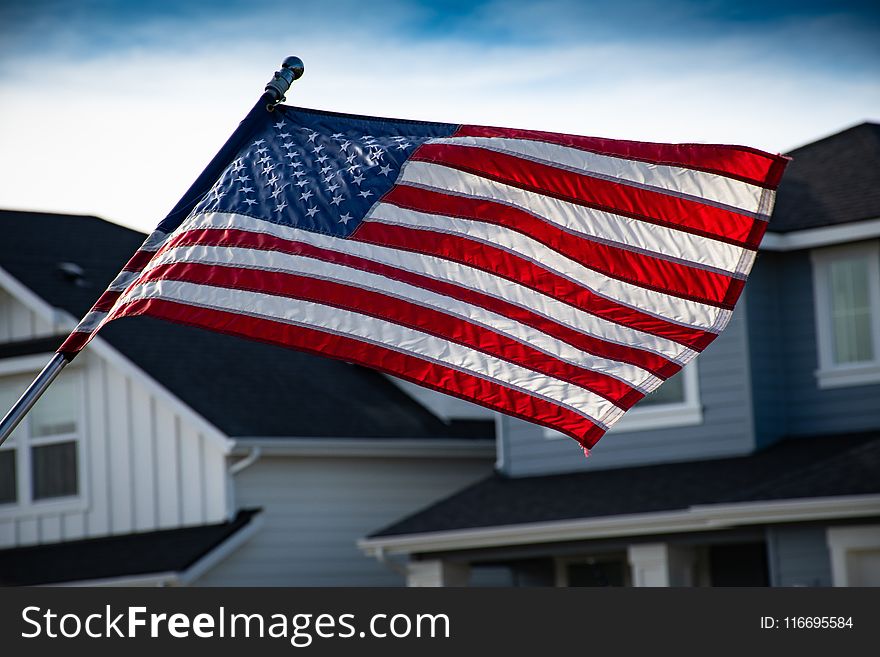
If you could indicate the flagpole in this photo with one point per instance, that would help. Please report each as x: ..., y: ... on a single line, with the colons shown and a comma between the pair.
x: 291, y: 69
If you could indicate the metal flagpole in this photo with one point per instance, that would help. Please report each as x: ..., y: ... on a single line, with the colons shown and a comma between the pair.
x: 291, y: 69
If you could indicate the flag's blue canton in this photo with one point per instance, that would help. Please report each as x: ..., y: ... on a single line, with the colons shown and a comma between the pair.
x: 316, y: 171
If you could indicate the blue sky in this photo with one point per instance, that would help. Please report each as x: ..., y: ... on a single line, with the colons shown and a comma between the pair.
x: 112, y: 108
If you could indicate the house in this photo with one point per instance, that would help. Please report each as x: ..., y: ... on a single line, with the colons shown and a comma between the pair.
x: 168, y: 455
x: 758, y: 464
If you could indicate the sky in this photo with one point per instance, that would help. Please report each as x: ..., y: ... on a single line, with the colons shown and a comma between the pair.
x: 113, y: 108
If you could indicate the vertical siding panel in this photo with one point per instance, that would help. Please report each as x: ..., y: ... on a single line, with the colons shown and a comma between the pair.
x: 73, y: 526
x: 142, y: 459
x: 119, y: 438
x: 167, y: 475
x: 50, y: 529
x: 28, y: 531
x: 40, y: 327
x: 7, y: 532
x: 215, y: 482
x: 5, y: 316
x: 190, y: 475
x: 96, y: 488
x: 20, y: 324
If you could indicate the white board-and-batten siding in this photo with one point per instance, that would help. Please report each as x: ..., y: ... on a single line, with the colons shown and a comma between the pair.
x: 144, y: 464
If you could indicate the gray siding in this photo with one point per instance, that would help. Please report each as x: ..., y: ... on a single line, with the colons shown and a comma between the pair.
x: 315, y: 509
x: 798, y: 556
x: 726, y: 428
x: 784, y: 357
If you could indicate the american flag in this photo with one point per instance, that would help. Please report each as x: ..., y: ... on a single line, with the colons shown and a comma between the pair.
x: 552, y: 277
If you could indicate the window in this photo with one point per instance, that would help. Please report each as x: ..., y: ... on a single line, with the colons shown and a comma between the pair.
x: 676, y: 403
x: 846, y: 286
x: 40, y: 461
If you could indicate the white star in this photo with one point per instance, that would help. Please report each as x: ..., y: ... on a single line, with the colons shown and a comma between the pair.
x: 259, y: 142
x: 246, y: 189
x: 322, y: 159
x: 306, y: 195
x: 336, y: 135
x: 280, y: 124
x: 288, y: 144
x: 277, y: 191
x: 398, y: 139
x: 296, y: 165
x: 281, y: 206
x: 311, y: 212
x: 351, y: 158
x: 336, y: 200
x: 345, y: 218
x: 317, y: 149
x: 358, y: 179
x: 328, y: 178
x: 368, y: 138
x: 268, y: 169
x: 353, y: 167
x: 403, y: 146
x: 262, y: 150
x: 242, y: 179
x: 344, y: 145
x: 312, y: 136
x: 333, y: 187
x: 299, y: 174
x: 264, y: 159
x: 365, y: 194
x: 274, y: 179
x: 283, y: 135
x: 291, y: 156
x: 249, y: 201
x: 324, y: 170
x: 302, y: 183
x: 385, y: 170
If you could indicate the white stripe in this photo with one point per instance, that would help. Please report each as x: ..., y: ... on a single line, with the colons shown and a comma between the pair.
x: 295, y: 264
x: 154, y: 241
x: 90, y: 322
x: 462, y: 275
x: 123, y: 280
x: 688, y: 182
x: 375, y: 331
x: 652, y: 238
x: 666, y: 306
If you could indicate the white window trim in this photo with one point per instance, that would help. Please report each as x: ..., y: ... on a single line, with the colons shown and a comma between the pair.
x: 842, y: 542
x: 25, y: 506
x: 830, y: 374
x: 662, y: 416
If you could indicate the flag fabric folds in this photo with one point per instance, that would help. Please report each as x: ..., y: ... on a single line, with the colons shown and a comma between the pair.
x: 552, y: 277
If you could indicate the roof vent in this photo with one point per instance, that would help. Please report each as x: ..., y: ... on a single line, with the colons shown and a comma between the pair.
x: 72, y: 273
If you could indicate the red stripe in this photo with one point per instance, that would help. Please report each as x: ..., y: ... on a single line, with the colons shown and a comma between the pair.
x: 642, y: 204
x: 74, y: 343
x: 503, y: 263
x: 105, y: 301
x: 425, y: 373
x: 652, y: 362
x: 630, y: 266
x: 738, y: 162
x: 139, y: 260
x: 405, y: 313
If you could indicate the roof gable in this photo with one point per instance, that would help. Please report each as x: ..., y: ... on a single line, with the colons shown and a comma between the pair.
x: 835, y: 180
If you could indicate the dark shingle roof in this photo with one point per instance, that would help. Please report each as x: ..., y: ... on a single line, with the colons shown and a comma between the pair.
x: 170, y: 550
x: 244, y: 388
x: 832, y: 181
x: 795, y: 468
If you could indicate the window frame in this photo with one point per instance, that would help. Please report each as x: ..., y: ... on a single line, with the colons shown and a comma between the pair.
x: 686, y: 413
x: 830, y: 374
x: 22, y: 443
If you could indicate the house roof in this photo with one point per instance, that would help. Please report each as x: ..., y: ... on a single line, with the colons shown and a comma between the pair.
x: 244, y: 388
x: 793, y: 469
x: 166, y: 551
x: 835, y: 180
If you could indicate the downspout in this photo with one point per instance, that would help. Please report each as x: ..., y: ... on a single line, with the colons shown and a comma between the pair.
x: 240, y: 465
